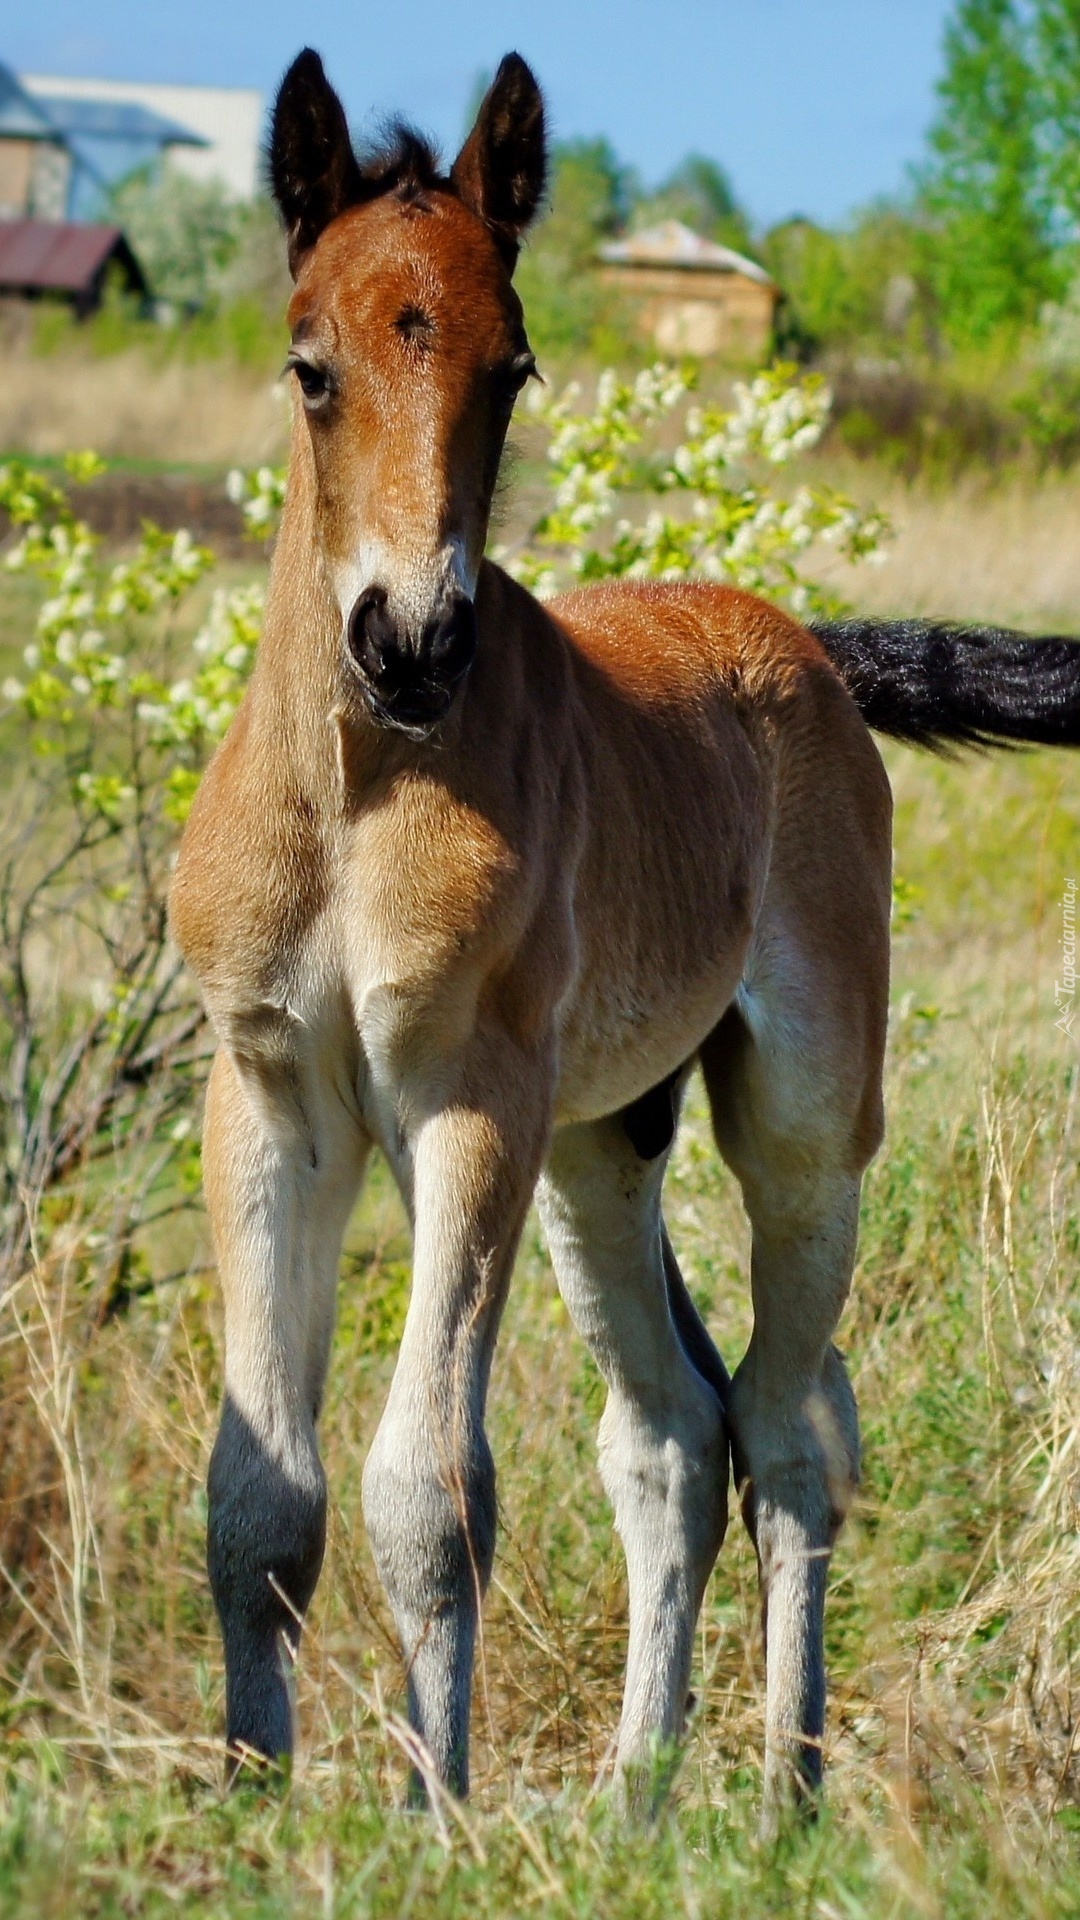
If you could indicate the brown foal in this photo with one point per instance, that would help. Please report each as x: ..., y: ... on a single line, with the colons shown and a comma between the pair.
x: 478, y: 881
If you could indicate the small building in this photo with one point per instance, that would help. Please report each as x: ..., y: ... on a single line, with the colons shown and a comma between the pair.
x: 65, y: 260
x: 35, y: 160
x: 109, y: 140
x: 692, y: 295
x: 220, y: 128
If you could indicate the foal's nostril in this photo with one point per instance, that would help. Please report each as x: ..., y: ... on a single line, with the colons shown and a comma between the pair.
x: 410, y: 681
x: 373, y: 635
x: 450, y: 642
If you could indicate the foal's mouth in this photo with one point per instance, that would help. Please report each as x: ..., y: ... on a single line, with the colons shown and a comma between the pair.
x: 415, y: 715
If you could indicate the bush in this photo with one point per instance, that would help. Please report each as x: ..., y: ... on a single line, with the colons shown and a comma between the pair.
x: 927, y: 422
x: 569, y: 308
x: 184, y: 232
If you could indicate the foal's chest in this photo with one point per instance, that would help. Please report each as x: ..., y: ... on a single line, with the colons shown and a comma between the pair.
x: 430, y: 902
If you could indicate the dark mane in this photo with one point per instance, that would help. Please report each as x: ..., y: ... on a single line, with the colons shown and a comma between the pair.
x: 400, y: 161
x: 404, y: 163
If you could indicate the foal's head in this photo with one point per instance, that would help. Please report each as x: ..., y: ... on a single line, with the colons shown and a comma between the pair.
x: 408, y: 349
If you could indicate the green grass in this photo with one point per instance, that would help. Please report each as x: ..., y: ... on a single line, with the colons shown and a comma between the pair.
x: 954, y: 1787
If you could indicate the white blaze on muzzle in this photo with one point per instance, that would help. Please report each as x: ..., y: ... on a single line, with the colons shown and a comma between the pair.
x: 418, y: 588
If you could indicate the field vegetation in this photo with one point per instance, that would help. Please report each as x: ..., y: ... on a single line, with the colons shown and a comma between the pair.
x: 954, y: 1622
x: 954, y: 1782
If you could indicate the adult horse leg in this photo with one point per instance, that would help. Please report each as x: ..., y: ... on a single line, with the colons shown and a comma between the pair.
x: 798, y: 1133
x: 429, y: 1482
x: 663, y: 1441
x: 281, y: 1177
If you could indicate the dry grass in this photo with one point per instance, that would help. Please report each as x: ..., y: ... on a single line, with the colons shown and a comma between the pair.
x: 1006, y: 551
x: 206, y: 413
x: 955, y: 1608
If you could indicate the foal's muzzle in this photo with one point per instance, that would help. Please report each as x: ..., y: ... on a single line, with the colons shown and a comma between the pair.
x: 408, y: 683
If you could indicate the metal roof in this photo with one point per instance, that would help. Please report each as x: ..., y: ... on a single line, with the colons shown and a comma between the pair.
x: 230, y: 119
x: 20, y: 116
x: 116, y: 119
x: 56, y: 256
x: 671, y: 244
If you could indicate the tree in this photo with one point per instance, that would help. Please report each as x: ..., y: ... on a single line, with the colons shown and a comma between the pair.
x: 1057, y: 55
x: 989, y: 239
x: 185, y: 232
x: 700, y: 193
x: 591, y: 196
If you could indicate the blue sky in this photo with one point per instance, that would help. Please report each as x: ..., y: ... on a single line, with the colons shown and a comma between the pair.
x: 814, y: 106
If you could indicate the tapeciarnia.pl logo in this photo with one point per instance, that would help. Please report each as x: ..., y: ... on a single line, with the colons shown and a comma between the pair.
x: 1065, y: 988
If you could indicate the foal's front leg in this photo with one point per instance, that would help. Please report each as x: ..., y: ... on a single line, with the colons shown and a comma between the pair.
x: 282, y: 1167
x: 429, y: 1483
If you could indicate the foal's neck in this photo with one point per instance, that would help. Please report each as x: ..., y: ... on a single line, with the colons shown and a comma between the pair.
x: 314, y: 727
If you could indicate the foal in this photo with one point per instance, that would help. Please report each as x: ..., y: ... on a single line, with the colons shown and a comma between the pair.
x: 479, y: 881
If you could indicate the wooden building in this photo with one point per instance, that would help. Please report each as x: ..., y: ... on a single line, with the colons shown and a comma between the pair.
x: 43, y: 253
x: 693, y: 296
x: 65, y: 260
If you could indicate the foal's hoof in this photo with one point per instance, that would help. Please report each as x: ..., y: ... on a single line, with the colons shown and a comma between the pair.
x: 791, y: 1804
x: 643, y: 1785
x: 249, y: 1771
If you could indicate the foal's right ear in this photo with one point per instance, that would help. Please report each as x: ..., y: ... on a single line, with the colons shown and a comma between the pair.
x: 313, y: 170
x: 501, y: 169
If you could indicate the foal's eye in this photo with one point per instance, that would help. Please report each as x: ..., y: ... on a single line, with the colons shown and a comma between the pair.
x: 514, y: 375
x: 314, y: 381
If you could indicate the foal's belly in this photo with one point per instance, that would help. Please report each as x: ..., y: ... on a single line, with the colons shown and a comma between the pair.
x: 617, y: 1044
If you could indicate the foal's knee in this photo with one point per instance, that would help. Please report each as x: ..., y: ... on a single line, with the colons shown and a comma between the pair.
x: 265, y: 1537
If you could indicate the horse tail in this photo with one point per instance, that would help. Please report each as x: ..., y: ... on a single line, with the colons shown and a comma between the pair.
x: 937, y: 685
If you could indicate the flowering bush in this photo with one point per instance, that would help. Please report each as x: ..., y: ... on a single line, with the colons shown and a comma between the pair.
x: 111, y: 721
x: 723, y: 521
x: 127, y: 684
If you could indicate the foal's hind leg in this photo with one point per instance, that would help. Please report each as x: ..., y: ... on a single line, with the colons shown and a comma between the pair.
x: 281, y: 1176
x: 663, y: 1442
x: 798, y: 1133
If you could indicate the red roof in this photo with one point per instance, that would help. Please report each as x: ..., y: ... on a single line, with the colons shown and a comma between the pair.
x: 59, y: 256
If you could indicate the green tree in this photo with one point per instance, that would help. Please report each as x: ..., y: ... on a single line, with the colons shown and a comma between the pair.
x: 1056, y: 48
x: 185, y: 232
x: 810, y: 267
x: 591, y: 196
x: 988, y: 247
x: 700, y: 193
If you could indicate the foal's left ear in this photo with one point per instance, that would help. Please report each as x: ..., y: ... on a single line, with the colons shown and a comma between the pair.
x: 501, y: 169
x: 313, y: 169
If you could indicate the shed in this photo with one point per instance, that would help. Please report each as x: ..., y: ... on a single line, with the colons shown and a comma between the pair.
x: 66, y: 260
x: 693, y: 295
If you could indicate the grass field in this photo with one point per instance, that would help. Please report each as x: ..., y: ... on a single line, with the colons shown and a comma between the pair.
x: 954, y: 1624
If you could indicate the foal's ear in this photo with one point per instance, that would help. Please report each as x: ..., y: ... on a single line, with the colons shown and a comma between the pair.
x: 501, y: 169
x: 313, y: 170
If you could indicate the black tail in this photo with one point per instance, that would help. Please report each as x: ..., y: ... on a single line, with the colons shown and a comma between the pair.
x: 938, y: 685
